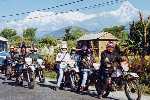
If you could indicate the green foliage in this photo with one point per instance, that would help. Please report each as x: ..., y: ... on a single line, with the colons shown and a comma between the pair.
x: 51, y: 74
x: 49, y: 41
x: 72, y: 35
x: 49, y: 62
x: 144, y: 72
x: 137, y: 34
x: 8, y: 33
x: 140, y: 36
x: 146, y: 89
x: 16, y: 40
x: 71, y: 44
x: 117, y: 31
x: 29, y: 35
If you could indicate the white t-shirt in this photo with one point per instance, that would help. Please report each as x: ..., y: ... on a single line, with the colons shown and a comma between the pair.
x: 63, y: 58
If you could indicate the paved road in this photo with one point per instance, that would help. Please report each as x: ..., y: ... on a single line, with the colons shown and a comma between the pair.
x: 46, y: 91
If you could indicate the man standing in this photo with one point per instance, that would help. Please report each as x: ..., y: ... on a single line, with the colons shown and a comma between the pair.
x: 62, y: 60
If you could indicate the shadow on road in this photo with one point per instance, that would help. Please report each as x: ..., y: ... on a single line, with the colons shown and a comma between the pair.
x: 53, y: 82
x: 9, y: 83
x: 47, y: 85
x: 2, y: 77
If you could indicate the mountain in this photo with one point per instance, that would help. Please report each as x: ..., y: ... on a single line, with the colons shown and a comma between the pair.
x: 61, y: 32
x: 93, y: 21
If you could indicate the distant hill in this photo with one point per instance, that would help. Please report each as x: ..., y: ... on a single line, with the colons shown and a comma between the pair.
x: 61, y: 32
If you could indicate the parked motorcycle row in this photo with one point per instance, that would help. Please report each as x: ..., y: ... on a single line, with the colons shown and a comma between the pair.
x: 112, y: 75
x: 24, y: 69
x: 119, y: 77
x: 119, y: 80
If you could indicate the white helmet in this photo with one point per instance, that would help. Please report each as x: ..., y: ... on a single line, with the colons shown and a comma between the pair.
x: 64, y: 46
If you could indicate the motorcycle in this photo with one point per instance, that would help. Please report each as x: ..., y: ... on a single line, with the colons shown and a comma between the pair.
x: 39, y: 71
x: 71, y: 76
x: 120, y: 78
x: 19, y: 72
x: 27, y: 73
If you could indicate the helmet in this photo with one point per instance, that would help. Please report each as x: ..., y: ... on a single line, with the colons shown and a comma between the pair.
x: 110, y: 44
x: 11, y: 47
x: 64, y: 46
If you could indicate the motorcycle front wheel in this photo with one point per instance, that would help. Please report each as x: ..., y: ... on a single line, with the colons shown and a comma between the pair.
x: 41, y: 77
x: 132, y: 90
x: 31, y: 81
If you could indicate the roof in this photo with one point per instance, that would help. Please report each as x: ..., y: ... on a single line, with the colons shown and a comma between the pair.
x: 100, y: 35
x: 3, y: 39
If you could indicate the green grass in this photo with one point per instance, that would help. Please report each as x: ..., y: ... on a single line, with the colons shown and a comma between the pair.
x: 51, y: 75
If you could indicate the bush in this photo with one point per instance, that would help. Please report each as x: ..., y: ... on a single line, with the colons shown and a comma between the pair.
x: 144, y: 72
x: 146, y: 89
x: 49, y: 62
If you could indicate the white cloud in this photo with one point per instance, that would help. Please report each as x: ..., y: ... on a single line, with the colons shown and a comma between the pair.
x: 48, y: 21
x: 127, y: 12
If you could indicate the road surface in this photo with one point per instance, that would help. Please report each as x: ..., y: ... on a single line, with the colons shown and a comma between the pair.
x: 46, y: 91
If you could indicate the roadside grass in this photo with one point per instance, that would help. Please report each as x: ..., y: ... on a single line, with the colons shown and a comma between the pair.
x: 50, y: 75
x: 146, y: 89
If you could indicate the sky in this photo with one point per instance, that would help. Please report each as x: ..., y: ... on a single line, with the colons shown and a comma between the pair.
x: 92, y: 19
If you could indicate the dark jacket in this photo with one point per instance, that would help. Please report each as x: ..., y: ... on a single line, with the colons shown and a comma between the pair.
x: 110, y: 56
x: 86, y: 61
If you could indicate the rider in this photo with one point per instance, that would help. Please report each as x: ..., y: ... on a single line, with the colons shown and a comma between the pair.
x: 75, y: 57
x: 62, y: 60
x: 34, y: 55
x: 12, y: 51
x: 107, y: 56
x: 23, y: 52
x: 86, y: 63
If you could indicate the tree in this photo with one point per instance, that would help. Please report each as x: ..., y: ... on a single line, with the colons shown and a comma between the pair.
x: 71, y: 35
x: 117, y: 31
x: 29, y: 35
x: 139, y: 37
x: 16, y: 40
x: 49, y: 41
x: 8, y: 33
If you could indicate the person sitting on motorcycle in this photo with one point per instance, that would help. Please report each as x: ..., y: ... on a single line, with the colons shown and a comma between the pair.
x: 34, y: 55
x: 62, y: 60
x: 7, y: 64
x: 18, y: 63
x: 75, y: 57
x: 12, y: 51
x: 23, y: 51
x: 86, y: 63
x: 108, y: 56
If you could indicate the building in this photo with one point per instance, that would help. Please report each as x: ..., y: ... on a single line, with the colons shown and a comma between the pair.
x: 3, y: 44
x: 96, y: 41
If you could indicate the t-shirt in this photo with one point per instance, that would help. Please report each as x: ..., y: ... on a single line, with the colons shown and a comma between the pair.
x: 63, y: 57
